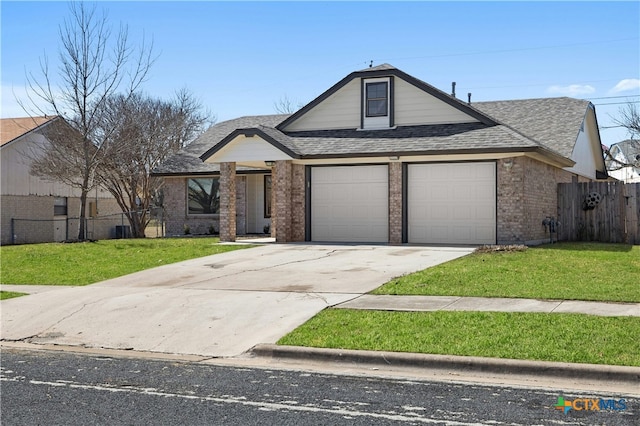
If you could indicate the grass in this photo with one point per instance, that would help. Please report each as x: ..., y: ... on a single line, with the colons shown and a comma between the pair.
x: 10, y: 294
x: 86, y: 263
x: 573, y: 271
x: 574, y: 338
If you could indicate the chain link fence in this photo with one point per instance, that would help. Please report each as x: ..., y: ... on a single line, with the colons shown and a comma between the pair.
x: 59, y: 229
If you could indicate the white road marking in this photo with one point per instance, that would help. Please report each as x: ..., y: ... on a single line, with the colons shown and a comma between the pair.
x: 228, y: 399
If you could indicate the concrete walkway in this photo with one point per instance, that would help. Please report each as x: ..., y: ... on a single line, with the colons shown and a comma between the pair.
x: 489, y: 304
x: 444, y: 303
x: 217, y: 306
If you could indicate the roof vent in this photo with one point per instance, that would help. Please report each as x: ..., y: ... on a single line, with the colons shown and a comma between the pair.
x: 453, y: 89
x: 469, y: 96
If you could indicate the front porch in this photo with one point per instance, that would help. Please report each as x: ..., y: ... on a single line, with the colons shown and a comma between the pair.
x: 287, y: 201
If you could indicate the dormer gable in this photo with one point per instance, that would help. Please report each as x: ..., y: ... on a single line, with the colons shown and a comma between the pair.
x: 381, y: 97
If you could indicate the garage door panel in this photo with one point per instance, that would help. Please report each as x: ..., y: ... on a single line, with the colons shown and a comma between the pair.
x: 349, y: 204
x: 452, y: 203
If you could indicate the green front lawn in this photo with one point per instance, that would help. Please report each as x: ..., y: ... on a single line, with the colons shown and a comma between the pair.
x: 90, y: 262
x: 580, y: 271
x: 10, y: 294
x: 576, y: 271
x: 534, y: 336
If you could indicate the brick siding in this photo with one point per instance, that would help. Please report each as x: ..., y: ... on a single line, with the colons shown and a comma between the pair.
x: 227, y: 201
x: 395, y: 203
x: 298, y: 202
x: 527, y: 194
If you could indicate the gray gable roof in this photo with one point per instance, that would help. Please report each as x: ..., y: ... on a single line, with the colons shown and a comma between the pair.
x: 386, y: 70
x: 556, y: 124
x: 629, y: 148
x: 547, y: 125
x: 188, y: 159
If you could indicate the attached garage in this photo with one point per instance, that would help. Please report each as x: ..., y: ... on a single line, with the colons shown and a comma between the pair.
x: 350, y: 204
x: 451, y: 203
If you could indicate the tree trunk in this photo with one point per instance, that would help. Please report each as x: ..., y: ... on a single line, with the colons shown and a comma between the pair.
x: 83, y: 207
x: 138, y: 225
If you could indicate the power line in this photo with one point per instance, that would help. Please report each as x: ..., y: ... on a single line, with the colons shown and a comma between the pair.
x: 619, y: 103
x: 614, y: 97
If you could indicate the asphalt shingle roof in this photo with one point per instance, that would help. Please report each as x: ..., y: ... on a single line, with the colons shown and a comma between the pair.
x: 550, y: 124
x: 409, y: 139
x: 188, y: 159
x: 556, y: 124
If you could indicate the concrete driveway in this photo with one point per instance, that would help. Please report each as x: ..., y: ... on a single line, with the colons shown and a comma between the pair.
x: 217, y: 306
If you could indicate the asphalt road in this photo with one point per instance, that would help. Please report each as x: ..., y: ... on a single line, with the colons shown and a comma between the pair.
x: 57, y: 388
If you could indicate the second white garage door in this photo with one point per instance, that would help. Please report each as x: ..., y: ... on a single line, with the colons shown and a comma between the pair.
x: 452, y: 203
x: 350, y: 204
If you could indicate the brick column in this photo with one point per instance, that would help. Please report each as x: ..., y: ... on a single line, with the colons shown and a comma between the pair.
x: 281, y: 186
x: 227, y: 201
x: 274, y: 221
x: 298, y: 202
x: 395, y: 203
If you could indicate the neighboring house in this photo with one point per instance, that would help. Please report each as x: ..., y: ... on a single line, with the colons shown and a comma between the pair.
x: 382, y: 157
x: 38, y: 210
x: 623, y: 161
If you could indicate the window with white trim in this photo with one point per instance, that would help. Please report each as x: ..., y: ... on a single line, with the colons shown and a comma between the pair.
x: 377, y: 103
x: 377, y: 99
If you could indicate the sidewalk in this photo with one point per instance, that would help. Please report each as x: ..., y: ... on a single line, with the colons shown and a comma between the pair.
x: 488, y: 304
x: 445, y: 303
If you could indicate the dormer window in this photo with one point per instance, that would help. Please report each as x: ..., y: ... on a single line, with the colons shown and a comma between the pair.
x: 377, y: 103
x: 377, y: 99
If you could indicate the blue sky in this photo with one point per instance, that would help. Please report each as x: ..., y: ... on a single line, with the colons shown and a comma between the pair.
x: 239, y: 58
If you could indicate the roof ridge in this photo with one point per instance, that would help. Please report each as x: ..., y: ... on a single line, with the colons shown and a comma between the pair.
x: 16, y: 127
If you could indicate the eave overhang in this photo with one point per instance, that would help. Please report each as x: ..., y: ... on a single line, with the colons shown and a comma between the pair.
x: 248, y: 132
x: 437, y: 93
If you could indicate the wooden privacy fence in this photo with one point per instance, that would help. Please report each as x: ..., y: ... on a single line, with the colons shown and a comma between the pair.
x: 599, y: 211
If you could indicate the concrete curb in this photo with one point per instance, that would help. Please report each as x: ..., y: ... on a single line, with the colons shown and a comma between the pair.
x: 465, y: 364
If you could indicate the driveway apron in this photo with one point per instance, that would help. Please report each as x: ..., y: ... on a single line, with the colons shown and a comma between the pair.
x: 218, y: 306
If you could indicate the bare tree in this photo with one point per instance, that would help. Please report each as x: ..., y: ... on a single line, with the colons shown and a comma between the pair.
x: 94, y: 64
x: 284, y: 105
x: 143, y: 133
x: 629, y: 117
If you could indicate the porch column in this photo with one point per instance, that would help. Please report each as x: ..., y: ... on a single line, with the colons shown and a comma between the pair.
x: 281, y: 187
x: 395, y: 203
x: 227, y: 202
x: 274, y: 219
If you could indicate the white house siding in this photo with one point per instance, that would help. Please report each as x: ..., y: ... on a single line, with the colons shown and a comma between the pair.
x: 29, y: 200
x: 16, y: 176
x: 413, y: 106
x: 255, y: 205
x: 341, y: 110
x: 244, y: 149
x: 586, y: 150
x: 626, y: 174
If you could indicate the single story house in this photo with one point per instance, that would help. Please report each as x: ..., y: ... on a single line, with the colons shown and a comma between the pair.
x: 383, y: 157
x: 38, y: 210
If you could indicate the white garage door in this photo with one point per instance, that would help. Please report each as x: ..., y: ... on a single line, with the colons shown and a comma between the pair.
x: 350, y: 204
x: 452, y: 203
